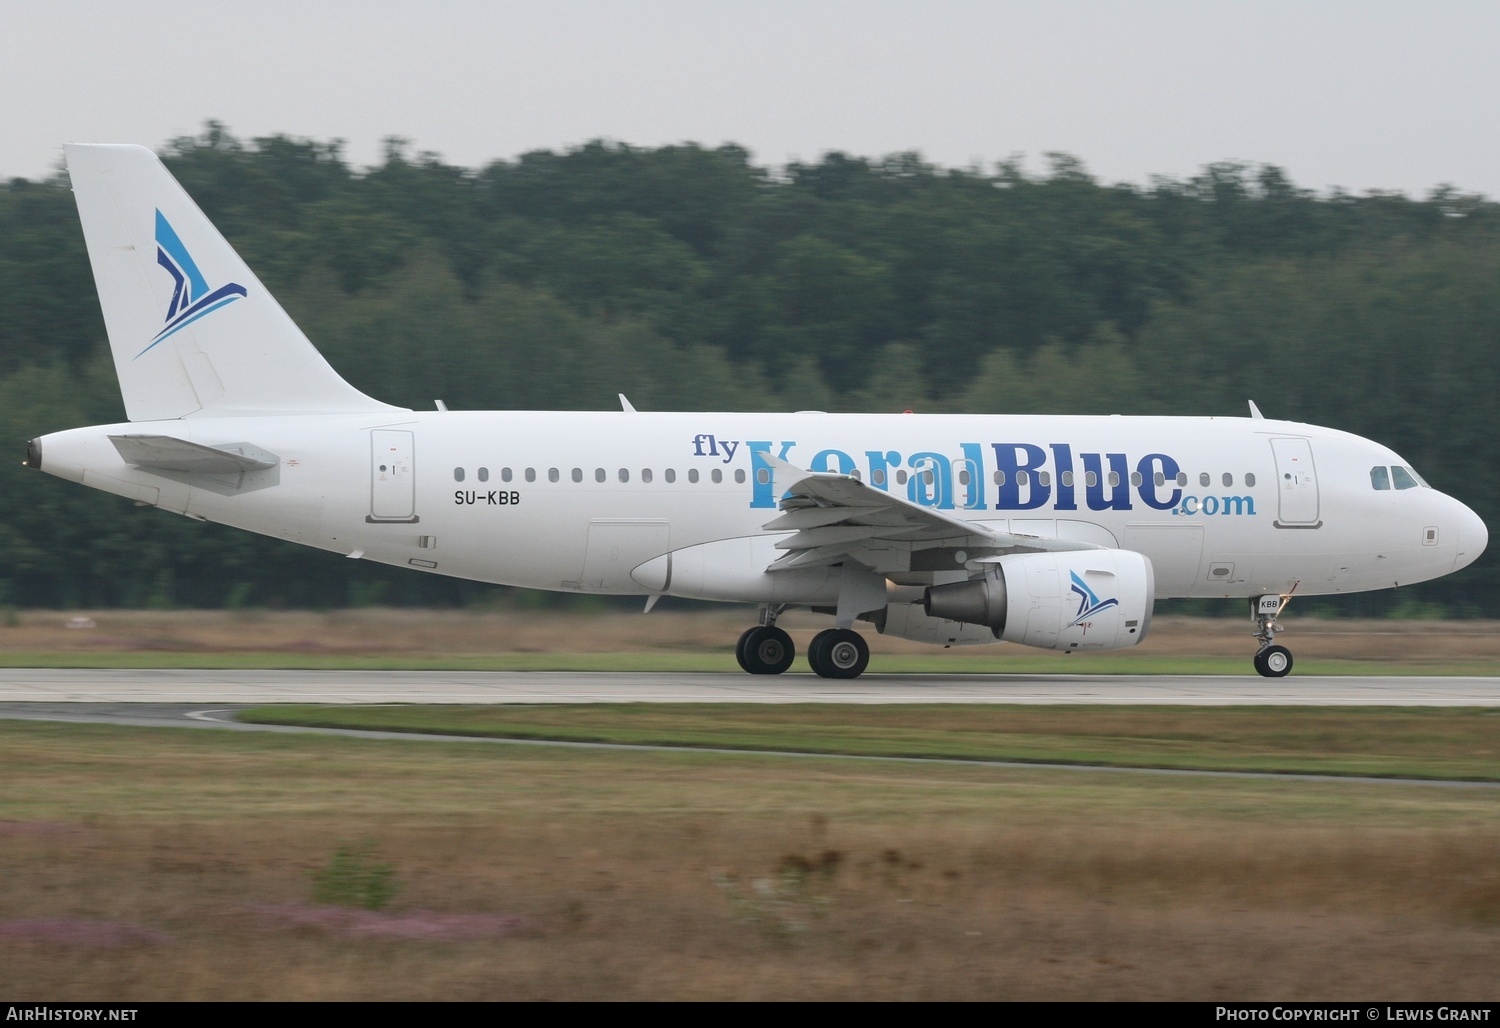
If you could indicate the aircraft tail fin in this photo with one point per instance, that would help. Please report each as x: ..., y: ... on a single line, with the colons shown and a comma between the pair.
x: 192, y: 330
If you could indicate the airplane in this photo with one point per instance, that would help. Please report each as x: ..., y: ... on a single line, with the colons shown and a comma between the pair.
x: 1052, y: 532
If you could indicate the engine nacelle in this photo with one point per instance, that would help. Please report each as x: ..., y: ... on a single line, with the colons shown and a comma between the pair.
x: 1075, y: 600
x: 907, y: 621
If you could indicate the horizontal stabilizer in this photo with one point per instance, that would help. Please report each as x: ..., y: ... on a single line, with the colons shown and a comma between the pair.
x: 164, y: 453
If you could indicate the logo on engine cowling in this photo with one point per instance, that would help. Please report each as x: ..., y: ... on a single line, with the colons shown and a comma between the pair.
x: 1089, y: 603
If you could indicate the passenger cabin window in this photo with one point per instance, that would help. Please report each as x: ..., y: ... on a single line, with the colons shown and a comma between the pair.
x: 878, y: 476
x: 578, y: 474
x: 1250, y: 479
x: 1228, y: 480
x: 763, y: 476
x: 1204, y: 479
x: 458, y: 474
x: 645, y: 474
x: 624, y: 475
x: 739, y: 475
x: 484, y: 474
x: 552, y: 475
x: 717, y: 476
x: 600, y: 474
x: 671, y: 474
x: 531, y: 474
x: 693, y: 475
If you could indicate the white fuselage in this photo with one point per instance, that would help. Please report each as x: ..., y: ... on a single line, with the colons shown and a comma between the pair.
x: 579, y: 501
x: 1056, y: 532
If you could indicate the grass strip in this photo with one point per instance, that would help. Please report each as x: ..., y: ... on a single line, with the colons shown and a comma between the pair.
x: 1436, y: 743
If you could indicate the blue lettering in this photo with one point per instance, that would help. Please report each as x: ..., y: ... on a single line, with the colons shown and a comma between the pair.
x: 973, y: 462
x: 882, y: 461
x: 1062, y: 456
x: 843, y: 463
x: 1231, y: 506
x: 931, y: 483
x: 1009, y: 462
x: 1023, y: 473
x: 1151, y: 465
x: 761, y: 494
x: 1096, y: 481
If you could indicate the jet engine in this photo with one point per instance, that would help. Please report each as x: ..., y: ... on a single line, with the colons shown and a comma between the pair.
x: 906, y: 621
x: 1074, y: 600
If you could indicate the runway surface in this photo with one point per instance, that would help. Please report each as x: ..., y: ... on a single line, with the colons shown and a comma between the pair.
x: 210, y: 699
x: 73, y: 686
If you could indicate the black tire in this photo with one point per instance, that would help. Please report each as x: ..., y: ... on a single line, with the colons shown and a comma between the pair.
x: 838, y: 653
x: 1274, y: 662
x: 815, y: 657
x: 739, y: 648
x: 767, y: 651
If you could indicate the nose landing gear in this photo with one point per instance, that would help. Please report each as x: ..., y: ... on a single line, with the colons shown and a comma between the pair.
x: 1271, y: 661
x: 1274, y: 662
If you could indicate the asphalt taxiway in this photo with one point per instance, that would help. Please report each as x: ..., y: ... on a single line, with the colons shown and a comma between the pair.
x: 114, y: 686
x: 210, y: 699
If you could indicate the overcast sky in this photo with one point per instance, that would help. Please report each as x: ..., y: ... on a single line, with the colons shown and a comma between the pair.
x: 1358, y: 94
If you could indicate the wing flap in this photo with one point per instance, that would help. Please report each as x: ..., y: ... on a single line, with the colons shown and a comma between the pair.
x: 833, y: 518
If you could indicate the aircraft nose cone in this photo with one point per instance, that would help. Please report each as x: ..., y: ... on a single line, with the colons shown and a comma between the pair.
x: 1473, y: 537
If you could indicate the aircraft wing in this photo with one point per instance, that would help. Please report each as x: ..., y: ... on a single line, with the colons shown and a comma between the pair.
x: 833, y: 518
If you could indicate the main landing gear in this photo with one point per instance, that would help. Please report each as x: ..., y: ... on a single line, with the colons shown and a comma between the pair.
x: 768, y: 650
x: 1271, y: 661
x: 838, y: 653
x: 765, y: 650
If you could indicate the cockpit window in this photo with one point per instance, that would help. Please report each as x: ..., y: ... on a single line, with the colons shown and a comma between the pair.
x: 1397, y: 476
x: 1403, y: 478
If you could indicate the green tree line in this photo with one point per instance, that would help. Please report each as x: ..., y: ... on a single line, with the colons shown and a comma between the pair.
x: 690, y: 278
